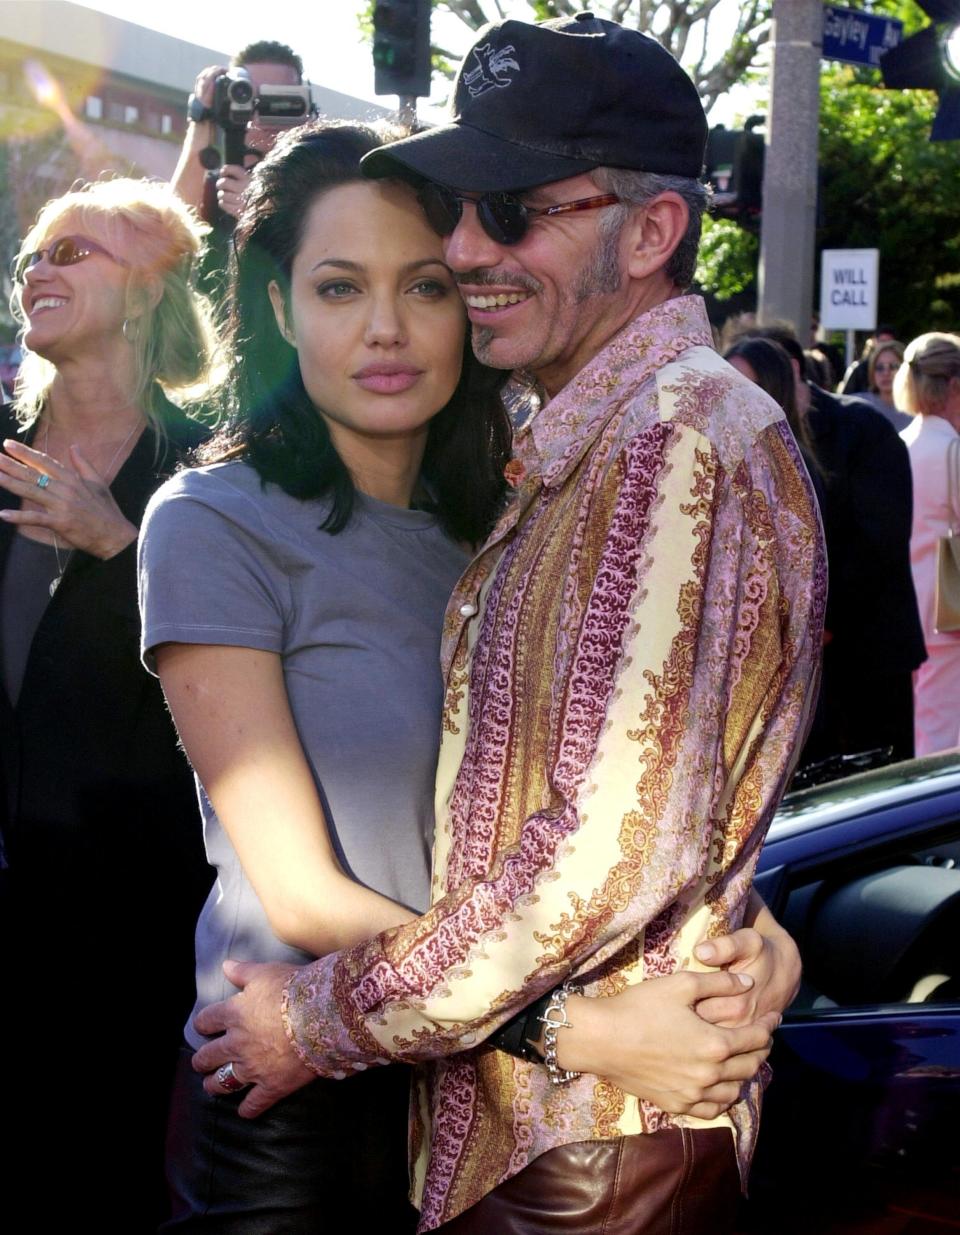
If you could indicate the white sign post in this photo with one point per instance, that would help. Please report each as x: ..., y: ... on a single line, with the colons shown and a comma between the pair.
x: 849, y: 290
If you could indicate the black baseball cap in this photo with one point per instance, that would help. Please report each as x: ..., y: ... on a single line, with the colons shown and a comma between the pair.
x: 537, y: 103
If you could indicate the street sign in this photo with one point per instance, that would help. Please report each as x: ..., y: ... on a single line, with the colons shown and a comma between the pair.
x: 849, y: 288
x: 858, y: 38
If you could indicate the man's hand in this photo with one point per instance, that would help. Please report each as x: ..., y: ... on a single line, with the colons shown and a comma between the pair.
x: 206, y: 82
x: 649, y: 1041
x: 232, y: 183
x: 252, y: 1038
x: 768, y: 955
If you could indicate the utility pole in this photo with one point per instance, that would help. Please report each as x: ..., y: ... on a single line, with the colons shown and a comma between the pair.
x: 790, y: 169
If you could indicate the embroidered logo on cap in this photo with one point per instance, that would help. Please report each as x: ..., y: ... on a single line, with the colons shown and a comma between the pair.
x: 491, y: 65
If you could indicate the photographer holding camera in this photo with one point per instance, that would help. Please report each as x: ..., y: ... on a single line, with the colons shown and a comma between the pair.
x: 235, y: 115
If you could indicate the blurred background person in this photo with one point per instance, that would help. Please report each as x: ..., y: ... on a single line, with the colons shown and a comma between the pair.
x: 928, y: 384
x: 883, y: 362
x: 215, y: 187
x: 856, y: 379
x: 99, y: 818
x: 765, y: 363
x: 873, y: 640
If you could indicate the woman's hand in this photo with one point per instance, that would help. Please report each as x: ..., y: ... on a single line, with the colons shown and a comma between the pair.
x: 649, y: 1041
x: 763, y: 950
x: 73, y: 503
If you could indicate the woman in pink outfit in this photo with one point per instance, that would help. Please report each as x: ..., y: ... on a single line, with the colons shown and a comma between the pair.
x: 928, y: 384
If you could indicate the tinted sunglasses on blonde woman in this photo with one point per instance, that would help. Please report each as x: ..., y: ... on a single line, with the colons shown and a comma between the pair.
x: 65, y: 251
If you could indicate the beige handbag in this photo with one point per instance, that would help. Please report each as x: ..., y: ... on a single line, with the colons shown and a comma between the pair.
x: 947, y: 599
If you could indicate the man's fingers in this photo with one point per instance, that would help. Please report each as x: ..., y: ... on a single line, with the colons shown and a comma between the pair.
x: 215, y: 1018
x: 255, y: 1101
x: 213, y: 1055
x: 741, y: 947
x: 240, y: 972
x: 215, y: 1087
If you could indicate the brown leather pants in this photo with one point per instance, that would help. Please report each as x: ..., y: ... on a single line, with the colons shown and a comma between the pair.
x: 678, y: 1181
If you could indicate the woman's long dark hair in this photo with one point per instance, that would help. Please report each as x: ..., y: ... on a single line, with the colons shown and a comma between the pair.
x: 270, y: 420
x: 770, y: 361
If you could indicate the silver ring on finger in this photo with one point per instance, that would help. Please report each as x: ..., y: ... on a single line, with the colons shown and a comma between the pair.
x: 43, y: 480
x: 228, y: 1080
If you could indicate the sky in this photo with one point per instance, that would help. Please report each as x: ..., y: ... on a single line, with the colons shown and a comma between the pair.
x: 326, y: 34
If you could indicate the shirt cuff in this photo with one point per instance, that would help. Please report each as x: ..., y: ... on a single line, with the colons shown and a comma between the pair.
x: 315, y: 1023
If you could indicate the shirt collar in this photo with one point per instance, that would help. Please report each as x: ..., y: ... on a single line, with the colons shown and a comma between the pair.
x: 554, y: 440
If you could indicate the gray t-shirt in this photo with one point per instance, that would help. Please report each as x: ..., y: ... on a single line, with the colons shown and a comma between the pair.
x: 356, y: 618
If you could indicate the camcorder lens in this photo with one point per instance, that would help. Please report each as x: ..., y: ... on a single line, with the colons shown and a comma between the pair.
x: 240, y: 90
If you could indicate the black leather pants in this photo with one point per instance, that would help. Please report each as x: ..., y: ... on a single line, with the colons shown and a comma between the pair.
x: 331, y: 1157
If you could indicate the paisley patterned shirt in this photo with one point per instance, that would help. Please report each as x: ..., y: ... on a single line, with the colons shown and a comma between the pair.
x: 630, y: 662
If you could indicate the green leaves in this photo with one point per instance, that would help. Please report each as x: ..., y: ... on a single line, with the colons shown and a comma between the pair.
x: 727, y: 262
x: 885, y: 185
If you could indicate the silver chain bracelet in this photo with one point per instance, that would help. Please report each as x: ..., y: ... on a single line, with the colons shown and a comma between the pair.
x: 554, y: 1018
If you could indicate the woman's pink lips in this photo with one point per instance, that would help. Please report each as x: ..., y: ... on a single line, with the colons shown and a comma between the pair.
x: 387, y: 380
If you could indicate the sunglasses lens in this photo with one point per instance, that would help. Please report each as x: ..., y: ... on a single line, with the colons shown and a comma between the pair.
x: 67, y: 252
x: 441, y: 206
x: 504, y: 217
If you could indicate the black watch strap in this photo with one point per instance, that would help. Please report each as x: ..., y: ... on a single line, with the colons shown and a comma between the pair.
x: 516, y: 1035
x: 197, y: 110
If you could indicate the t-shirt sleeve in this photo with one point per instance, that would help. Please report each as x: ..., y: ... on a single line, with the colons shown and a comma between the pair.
x: 205, y: 570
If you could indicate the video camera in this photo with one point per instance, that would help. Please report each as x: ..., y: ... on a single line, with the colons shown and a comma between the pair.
x: 235, y: 105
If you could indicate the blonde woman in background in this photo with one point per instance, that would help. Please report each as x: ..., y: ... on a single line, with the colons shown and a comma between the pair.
x: 104, y: 861
x: 928, y: 384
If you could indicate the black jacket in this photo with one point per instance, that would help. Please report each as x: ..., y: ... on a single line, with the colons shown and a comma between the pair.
x: 106, y: 877
x: 867, y: 512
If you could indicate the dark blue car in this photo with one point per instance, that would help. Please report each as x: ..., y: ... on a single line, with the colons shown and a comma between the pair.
x: 861, y: 1125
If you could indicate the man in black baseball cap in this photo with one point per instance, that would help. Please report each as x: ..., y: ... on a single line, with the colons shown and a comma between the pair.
x: 566, y: 184
x: 629, y: 663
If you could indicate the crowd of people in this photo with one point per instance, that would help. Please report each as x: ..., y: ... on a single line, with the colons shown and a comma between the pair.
x: 486, y: 721
x: 886, y: 497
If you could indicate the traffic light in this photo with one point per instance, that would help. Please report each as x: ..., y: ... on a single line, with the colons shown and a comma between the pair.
x: 735, y: 170
x: 401, y: 47
x: 930, y: 60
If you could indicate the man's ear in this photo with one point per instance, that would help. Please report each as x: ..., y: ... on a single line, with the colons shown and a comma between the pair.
x: 280, y: 312
x: 654, y: 232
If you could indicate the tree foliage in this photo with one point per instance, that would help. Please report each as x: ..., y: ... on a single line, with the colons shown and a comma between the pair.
x: 684, y: 27
x: 727, y: 262
x: 885, y: 185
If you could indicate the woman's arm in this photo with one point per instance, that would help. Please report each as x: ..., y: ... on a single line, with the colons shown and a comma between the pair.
x: 231, y: 710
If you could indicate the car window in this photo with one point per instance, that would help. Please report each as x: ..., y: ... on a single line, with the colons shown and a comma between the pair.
x: 880, y: 931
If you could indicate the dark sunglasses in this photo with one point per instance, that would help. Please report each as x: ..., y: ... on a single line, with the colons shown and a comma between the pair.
x: 503, y: 216
x: 66, y: 251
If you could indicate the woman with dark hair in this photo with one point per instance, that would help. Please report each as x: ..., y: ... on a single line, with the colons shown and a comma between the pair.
x: 765, y: 363
x: 297, y: 641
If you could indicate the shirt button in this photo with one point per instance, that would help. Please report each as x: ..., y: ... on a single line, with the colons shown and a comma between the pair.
x: 468, y: 610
